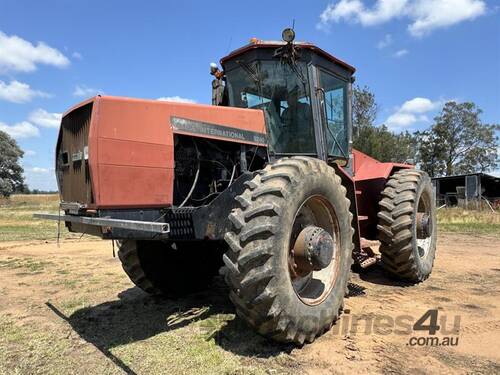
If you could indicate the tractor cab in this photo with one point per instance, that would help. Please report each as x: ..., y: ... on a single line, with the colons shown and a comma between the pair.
x: 303, y: 90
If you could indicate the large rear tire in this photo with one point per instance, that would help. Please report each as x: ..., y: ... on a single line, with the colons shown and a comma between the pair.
x: 262, y: 267
x: 407, y: 225
x: 172, y: 270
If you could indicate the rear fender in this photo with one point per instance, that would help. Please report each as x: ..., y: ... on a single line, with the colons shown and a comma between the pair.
x: 370, y: 177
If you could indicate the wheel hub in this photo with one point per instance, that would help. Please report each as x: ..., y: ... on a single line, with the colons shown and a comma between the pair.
x: 313, y: 250
x: 423, y: 225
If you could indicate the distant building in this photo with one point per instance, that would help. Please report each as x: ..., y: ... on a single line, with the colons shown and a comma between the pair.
x: 467, y: 190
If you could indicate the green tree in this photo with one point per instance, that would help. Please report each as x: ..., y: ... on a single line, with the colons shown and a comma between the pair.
x: 404, y: 149
x: 364, y: 109
x: 22, y: 189
x: 377, y: 141
x: 11, y: 172
x: 382, y: 144
x: 458, y: 142
x: 429, y: 153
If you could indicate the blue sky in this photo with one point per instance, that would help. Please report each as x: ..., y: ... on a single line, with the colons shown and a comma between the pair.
x: 414, y: 54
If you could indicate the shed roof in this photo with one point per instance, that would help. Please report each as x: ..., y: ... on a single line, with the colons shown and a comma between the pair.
x: 480, y: 174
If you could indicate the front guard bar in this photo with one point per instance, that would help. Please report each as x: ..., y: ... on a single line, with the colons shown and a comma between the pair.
x: 145, y: 226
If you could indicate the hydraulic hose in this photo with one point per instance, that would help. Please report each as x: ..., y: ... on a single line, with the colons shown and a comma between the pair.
x: 195, y: 181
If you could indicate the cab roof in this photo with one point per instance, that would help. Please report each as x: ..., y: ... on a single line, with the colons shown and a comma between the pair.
x: 257, y: 43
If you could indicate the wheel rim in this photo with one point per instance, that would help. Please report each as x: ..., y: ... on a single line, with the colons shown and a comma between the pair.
x: 316, y: 285
x: 423, y: 225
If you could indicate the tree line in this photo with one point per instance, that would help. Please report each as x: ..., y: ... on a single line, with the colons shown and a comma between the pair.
x: 456, y: 143
x: 11, y: 171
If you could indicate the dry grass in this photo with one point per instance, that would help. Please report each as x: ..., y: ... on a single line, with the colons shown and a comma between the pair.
x: 17, y: 223
x: 33, y: 199
x: 468, y: 221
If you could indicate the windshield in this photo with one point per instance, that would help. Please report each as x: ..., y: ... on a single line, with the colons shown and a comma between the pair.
x: 283, y: 93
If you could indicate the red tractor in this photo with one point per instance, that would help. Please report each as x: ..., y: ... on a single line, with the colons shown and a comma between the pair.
x: 263, y: 187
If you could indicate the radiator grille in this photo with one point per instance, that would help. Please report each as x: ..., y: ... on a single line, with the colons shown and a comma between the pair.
x: 72, y: 162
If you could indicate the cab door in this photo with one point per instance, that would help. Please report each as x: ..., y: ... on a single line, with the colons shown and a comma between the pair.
x: 331, y: 114
x: 334, y: 107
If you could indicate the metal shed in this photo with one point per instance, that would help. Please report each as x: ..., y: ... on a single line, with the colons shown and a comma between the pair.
x: 467, y: 190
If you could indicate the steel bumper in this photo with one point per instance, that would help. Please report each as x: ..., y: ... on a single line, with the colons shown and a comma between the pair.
x: 145, y: 226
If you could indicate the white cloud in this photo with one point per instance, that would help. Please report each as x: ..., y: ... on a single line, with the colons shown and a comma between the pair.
x: 18, y: 92
x: 17, y: 54
x: 424, y: 15
x: 383, y: 11
x: 411, y: 112
x: 401, y: 53
x: 77, y: 55
x: 84, y: 91
x: 420, y: 105
x: 429, y: 15
x: 40, y: 170
x: 177, y: 99
x: 387, y: 41
x: 45, y: 119
x: 344, y: 9
x: 401, y: 120
x: 29, y: 153
x: 355, y: 11
x: 20, y: 130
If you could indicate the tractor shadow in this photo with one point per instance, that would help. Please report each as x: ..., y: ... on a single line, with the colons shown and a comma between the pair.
x: 136, y: 316
x: 377, y: 275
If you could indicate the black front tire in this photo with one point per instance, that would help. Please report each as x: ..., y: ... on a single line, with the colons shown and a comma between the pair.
x: 259, y: 243
x: 169, y: 269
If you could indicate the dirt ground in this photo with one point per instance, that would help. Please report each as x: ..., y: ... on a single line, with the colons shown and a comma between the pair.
x: 71, y: 309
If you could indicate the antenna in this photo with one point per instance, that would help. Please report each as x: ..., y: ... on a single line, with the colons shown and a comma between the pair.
x: 229, y: 44
x: 293, y: 24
